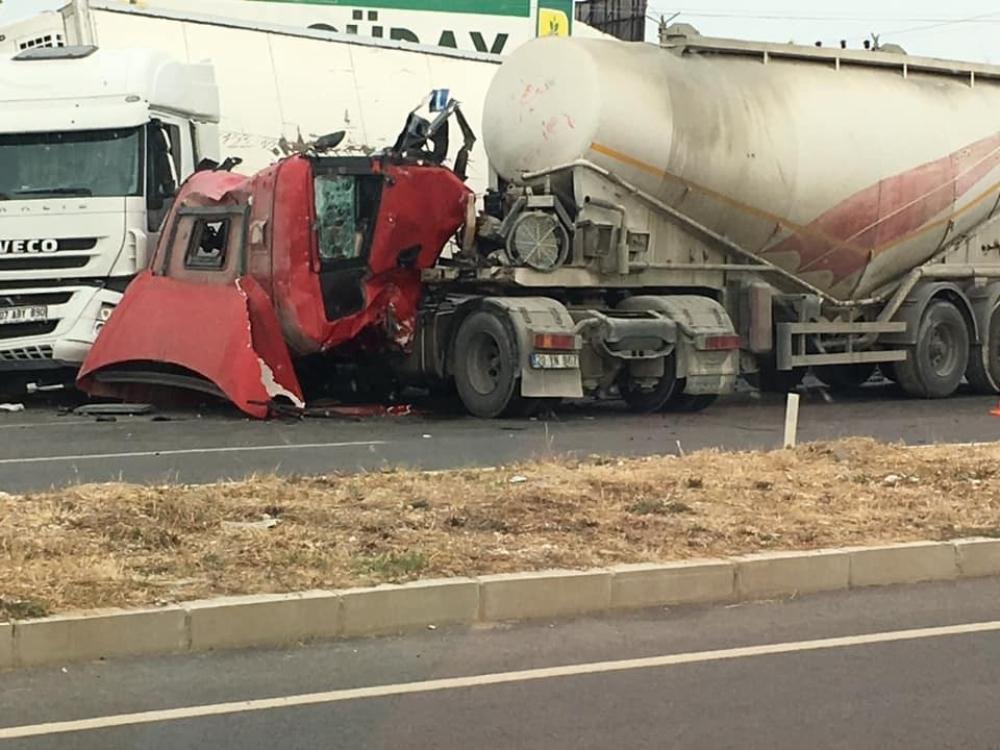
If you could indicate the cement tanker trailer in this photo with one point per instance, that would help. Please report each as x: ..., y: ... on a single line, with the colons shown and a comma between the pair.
x: 839, y: 207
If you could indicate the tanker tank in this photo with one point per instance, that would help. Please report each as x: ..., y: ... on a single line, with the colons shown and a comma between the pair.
x: 846, y: 168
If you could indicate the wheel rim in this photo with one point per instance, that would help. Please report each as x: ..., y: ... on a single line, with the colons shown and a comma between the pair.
x: 485, y: 366
x: 942, y: 350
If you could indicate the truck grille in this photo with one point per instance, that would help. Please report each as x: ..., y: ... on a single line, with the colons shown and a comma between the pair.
x: 37, y: 328
x: 27, y: 354
x: 60, y: 259
x: 12, y: 299
x: 42, y: 262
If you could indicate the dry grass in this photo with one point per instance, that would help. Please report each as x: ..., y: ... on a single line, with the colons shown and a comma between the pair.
x: 122, y: 545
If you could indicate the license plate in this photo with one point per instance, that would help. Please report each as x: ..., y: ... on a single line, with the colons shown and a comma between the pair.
x: 11, y: 315
x: 555, y: 361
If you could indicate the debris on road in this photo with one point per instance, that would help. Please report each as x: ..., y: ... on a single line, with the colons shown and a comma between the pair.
x: 360, y: 411
x: 113, y: 410
x: 11, y: 408
x: 33, y: 388
x: 126, y: 545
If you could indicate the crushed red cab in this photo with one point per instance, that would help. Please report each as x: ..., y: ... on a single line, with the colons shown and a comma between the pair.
x: 252, y: 273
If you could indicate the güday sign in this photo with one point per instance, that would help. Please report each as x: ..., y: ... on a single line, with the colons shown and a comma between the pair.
x: 493, y: 26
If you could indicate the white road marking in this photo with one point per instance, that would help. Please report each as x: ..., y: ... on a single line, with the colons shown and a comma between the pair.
x: 500, y: 678
x: 36, y: 425
x: 191, y: 451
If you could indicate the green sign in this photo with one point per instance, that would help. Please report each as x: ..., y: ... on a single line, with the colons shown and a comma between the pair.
x: 491, y: 26
x: 520, y: 8
x: 555, y: 17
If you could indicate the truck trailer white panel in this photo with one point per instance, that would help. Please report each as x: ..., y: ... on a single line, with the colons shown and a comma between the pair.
x: 494, y: 26
x: 279, y: 81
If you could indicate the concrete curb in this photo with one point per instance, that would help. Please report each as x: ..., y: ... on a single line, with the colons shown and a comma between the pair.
x: 773, y: 574
x: 279, y: 620
x: 6, y: 646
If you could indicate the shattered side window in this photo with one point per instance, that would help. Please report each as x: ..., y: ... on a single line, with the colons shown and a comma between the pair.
x: 340, y: 237
x: 207, y: 249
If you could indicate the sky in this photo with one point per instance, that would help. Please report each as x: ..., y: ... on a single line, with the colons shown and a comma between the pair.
x: 962, y: 29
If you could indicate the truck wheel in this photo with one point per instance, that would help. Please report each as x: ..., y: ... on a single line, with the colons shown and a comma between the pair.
x: 687, y: 403
x: 935, y: 366
x: 654, y: 399
x: 845, y: 377
x: 486, y: 366
x: 983, y: 373
x: 668, y: 394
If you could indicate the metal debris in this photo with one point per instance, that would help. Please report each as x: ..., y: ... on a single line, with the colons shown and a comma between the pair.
x: 113, y: 410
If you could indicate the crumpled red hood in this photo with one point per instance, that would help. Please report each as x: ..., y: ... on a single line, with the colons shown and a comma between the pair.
x: 226, y: 335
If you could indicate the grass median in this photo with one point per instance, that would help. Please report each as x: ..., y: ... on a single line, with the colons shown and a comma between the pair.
x: 112, y: 545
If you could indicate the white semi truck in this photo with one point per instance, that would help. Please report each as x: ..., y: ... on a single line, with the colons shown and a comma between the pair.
x: 93, y: 143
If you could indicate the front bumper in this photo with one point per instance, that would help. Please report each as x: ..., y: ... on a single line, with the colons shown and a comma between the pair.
x: 65, y: 337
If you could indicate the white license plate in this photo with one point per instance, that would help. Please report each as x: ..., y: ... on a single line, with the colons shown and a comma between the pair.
x: 29, y: 314
x: 541, y: 361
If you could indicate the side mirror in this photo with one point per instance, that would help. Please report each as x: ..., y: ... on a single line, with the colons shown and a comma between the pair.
x: 162, y: 183
x: 161, y: 174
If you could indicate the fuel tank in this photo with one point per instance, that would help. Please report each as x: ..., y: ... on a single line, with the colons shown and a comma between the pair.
x: 846, y: 167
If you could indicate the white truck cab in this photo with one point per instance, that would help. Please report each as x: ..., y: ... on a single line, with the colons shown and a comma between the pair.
x: 93, y: 144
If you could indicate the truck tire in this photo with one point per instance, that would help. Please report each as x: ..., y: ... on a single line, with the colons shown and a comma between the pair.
x: 983, y: 373
x: 668, y: 395
x: 487, y: 366
x: 688, y: 403
x: 845, y: 377
x: 655, y: 399
x: 934, y: 368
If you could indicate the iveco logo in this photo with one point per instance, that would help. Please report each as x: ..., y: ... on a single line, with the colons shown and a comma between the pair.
x: 17, y: 247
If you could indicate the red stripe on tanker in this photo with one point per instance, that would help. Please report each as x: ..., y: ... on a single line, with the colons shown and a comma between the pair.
x: 878, y: 217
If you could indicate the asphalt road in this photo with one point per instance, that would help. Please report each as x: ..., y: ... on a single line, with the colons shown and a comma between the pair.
x: 40, y: 448
x: 909, y: 667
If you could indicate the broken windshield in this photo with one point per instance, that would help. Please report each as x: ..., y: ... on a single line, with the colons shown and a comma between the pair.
x: 101, y: 163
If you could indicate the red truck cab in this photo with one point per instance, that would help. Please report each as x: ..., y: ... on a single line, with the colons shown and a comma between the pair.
x: 254, y: 272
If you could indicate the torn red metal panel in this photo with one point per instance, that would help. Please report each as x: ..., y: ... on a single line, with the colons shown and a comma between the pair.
x: 215, y: 187
x: 421, y: 208
x: 225, y: 334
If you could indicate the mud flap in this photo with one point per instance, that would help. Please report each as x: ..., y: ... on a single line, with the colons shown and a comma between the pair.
x: 168, y: 333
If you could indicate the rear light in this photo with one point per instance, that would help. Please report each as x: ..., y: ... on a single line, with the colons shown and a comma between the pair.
x: 721, y: 343
x: 557, y: 341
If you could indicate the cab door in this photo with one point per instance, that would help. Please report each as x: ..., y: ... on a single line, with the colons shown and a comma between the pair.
x: 346, y: 202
